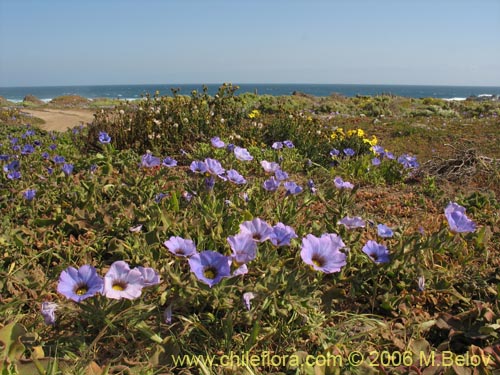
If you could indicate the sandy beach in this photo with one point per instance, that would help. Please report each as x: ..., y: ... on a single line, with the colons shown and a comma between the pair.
x: 61, y: 119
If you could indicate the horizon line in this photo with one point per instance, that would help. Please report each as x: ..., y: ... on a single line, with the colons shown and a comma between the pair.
x: 255, y: 83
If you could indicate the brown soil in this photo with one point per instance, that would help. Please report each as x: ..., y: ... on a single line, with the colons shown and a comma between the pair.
x: 61, y: 119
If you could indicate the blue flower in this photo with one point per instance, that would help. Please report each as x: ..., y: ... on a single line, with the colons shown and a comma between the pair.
x: 243, y: 246
x: 281, y: 235
x: 257, y: 228
x: 408, y: 162
x: 384, y: 231
x: 214, y: 167
x: 27, y: 149
x: 379, y: 150
x: 352, y: 222
x: 217, y: 143
x: 323, y: 253
x: 210, y: 267
x: 375, y: 162
x: 14, y: 165
x: 159, y: 197
x: 334, y: 152
x: 242, y: 154
x: 271, y: 184
x: 340, y: 184
x: 80, y: 284
x: 311, y: 186
x: 288, y: 144
x: 14, y: 175
x: 349, y: 152
x: 67, y: 169
x: 230, y: 147
x: 180, y: 247
x: 45, y: 155
x: 277, y: 145
x: 292, y: 188
x: 169, y: 162
x: 269, y: 167
x: 104, y: 137
x: 457, y: 220
x: 198, y: 166
x: 235, y: 177
x: 48, y: 312
x: 59, y: 159
x: 150, y: 161
x: 378, y: 253
x: 29, y: 194
x: 280, y: 175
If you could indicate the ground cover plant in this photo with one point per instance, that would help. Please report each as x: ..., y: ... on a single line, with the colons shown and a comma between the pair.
x: 240, y: 234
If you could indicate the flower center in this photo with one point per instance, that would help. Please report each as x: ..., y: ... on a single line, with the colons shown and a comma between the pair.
x: 374, y: 256
x: 119, y: 285
x: 210, y: 273
x: 256, y: 236
x: 80, y: 290
x: 179, y: 251
x: 318, y: 261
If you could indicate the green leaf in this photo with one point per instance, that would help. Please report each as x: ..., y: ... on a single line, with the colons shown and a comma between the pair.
x: 10, y: 342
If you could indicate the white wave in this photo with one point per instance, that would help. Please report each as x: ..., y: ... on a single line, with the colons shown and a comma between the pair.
x: 454, y: 99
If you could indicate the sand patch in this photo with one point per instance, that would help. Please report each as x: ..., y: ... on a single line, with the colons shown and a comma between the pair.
x: 61, y: 119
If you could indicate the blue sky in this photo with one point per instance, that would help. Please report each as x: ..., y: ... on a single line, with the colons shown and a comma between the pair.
x: 438, y: 42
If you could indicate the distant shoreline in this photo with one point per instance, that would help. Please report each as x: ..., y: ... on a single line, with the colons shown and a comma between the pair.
x: 133, y: 92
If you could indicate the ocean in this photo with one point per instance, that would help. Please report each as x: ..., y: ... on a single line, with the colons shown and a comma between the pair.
x: 131, y: 92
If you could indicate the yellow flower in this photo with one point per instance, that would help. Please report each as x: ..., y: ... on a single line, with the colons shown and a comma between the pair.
x: 254, y: 114
x: 361, y: 133
x: 351, y: 133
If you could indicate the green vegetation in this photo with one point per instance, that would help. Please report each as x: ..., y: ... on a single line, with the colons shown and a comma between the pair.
x: 121, y: 198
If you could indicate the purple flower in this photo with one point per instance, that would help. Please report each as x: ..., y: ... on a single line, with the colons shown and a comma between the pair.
x: 159, y: 197
x: 210, y: 182
x: 48, y: 311
x: 59, y: 159
x: 375, y: 162
x: 169, y: 162
x: 217, y: 143
x: 292, y: 188
x: 390, y: 155
x: 241, y: 270
x: 243, y: 246
x: 271, y: 184
x: 421, y: 283
x: 27, y: 149
x: 210, y: 267
x: 104, y: 137
x: 168, y: 314
x: 280, y: 175
x: 235, y: 177
x: 14, y: 140
x: 352, y: 222
x: 29, y: 194
x: 122, y: 282
x: 180, y: 246
x: 149, y: 161
x: 242, y: 154
x: 198, y: 166
x: 384, y: 231
x: 378, y: 253
x: 45, y: 155
x: 4, y: 157
x: 214, y: 167
x: 14, y: 165
x: 230, y: 147
x: 311, y: 186
x: 277, y: 145
x: 149, y: 275
x: 408, y: 161
x: 282, y: 235
x: 457, y: 220
x: 29, y: 133
x: 269, y: 167
x: 334, y: 152
x: 187, y: 196
x: 80, y: 284
x: 288, y: 144
x: 349, y: 151
x: 259, y: 229
x: 340, y: 184
x: 53, y: 146
x: 67, y: 168
x: 379, y: 150
x: 247, y: 298
x: 14, y: 175
x: 323, y: 253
